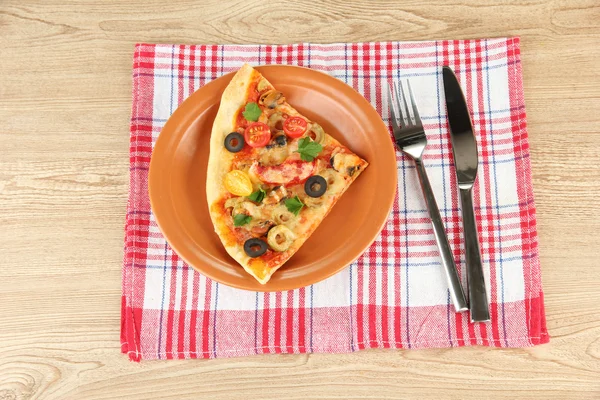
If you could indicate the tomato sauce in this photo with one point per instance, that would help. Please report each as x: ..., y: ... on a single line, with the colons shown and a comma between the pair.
x: 272, y: 258
x: 325, y: 154
x: 252, y: 92
x: 240, y: 121
x: 219, y: 208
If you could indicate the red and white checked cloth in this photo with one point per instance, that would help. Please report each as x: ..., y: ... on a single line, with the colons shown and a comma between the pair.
x: 395, y: 295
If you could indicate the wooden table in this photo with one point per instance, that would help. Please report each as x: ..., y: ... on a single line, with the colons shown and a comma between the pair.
x: 65, y: 99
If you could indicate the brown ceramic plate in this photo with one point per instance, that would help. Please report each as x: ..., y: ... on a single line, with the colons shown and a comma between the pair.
x: 177, y: 181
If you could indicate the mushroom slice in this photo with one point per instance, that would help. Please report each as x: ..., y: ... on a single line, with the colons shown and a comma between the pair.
x: 262, y: 227
x: 271, y: 98
x: 276, y: 195
x: 262, y: 85
x: 345, y: 163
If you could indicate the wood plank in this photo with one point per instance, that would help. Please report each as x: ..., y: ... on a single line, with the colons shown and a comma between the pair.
x: 65, y: 102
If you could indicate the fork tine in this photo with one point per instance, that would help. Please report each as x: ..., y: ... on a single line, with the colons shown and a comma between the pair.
x: 414, y: 106
x: 393, y: 116
x: 400, y: 90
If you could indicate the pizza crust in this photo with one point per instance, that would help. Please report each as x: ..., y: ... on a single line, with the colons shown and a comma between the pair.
x: 220, y: 159
x: 219, y: 163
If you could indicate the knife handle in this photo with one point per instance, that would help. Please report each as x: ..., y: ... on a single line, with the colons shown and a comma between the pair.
x: 478, y: 302
x: 456, y: 291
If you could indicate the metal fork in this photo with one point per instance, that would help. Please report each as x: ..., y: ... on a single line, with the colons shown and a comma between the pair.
x: 411, y: 140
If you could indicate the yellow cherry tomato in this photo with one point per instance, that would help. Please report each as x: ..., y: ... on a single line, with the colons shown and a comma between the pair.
x: 238, y: 182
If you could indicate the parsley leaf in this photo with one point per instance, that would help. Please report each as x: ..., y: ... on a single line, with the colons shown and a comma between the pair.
x: 308, y: 149
x: 257, y: 196
x: 294, y: 205
x: 241, y: 219
x: 252, y: 112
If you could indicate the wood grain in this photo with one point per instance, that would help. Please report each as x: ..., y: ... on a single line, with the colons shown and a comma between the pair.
x: 65, y: 98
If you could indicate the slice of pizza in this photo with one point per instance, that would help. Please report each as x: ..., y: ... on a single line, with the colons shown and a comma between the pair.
x: 273, y: 174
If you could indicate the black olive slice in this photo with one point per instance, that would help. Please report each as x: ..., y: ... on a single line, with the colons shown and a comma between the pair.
x: 255, y: 247
x: 281, y: 140
x: 234, y: 142
x: 315, y: 186
x: 277, y: 141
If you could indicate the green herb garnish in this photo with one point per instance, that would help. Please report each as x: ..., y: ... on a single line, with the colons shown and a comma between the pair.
x: 294, y: 205
x: 252, y: 112
x: 257, y: 196
x: 308, y: 149
x: 241, y: 219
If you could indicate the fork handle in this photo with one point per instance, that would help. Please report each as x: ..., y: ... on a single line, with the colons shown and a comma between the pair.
x: 456, y: 290
x: 478, y: 302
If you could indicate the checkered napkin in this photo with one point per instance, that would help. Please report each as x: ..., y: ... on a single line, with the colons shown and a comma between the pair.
x: 395, y: 295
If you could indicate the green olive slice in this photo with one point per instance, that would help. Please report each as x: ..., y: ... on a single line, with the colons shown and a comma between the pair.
x: 280, y: 238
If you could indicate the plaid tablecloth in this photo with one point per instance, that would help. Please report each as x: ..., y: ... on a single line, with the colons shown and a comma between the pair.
x: 395, y: 295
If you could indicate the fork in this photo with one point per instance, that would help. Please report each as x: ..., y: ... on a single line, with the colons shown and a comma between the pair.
x: 411, y: 140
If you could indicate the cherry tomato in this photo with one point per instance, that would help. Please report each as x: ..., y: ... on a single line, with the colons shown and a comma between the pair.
x: 294, y: 127
x: 238, y: 182
x: 257, y: 134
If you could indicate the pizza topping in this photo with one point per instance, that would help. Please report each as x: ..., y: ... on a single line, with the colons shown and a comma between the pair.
x: 238, y: 182
x: 308, y: 149
x: 241, y: 219
x: 294, y: 205
x: 257, y: 196
x: 290, y: 172
x: 238, y: 205
x: 351, y: 170
x: 257, y: 134
x: 313, y: 202
x: 252, y: 112
x: 335, y: 182
x: 230, y: 203
x: 262, y: 85
x: 262, y: 227
x: 255, y: 247
x: 316, y: 133
x: 273, y: 155
x: 280, y: 238
x: 345, y: 163
x: 282, y: 216
x: 295, y: 127
x: 315, y: 186
x: 234, y: 142
x: 276, y: 121
x: 280, y: 140
x: 271, y: 98
x: 276, y: 195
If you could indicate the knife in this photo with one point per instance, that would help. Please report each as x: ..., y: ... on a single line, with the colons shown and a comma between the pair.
x: 464, y: 150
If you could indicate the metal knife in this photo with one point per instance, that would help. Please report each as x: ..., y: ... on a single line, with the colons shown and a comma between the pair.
x: 464, y: 149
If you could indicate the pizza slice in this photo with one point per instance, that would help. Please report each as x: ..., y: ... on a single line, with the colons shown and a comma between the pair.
x: 273, y: 174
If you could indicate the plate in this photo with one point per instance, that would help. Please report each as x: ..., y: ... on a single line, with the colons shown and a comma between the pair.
x: 177, y: 180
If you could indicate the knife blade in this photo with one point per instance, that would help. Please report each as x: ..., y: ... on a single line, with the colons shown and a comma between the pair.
x: 464, y: 151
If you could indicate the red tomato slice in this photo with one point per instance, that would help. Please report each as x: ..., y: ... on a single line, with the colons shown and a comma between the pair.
x: 294, y: 127
x: 257, y: 134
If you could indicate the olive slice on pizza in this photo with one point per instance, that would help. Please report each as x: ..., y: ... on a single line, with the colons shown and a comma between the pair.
x: 273, y: 174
